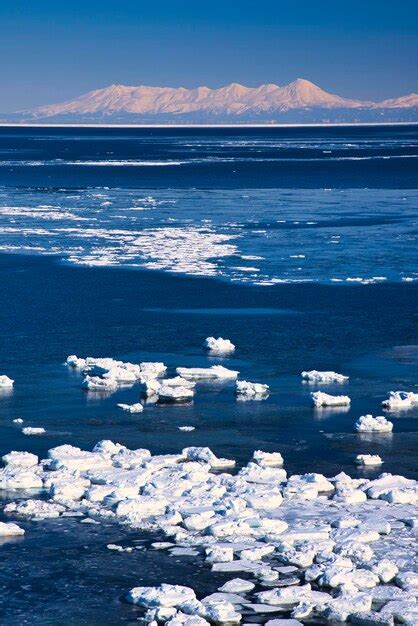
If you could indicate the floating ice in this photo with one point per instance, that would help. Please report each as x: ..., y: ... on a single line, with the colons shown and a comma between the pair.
x: 186, y: 429
x: 6, y: 382
x: 132, y: 408
x: 8, y: 529
x: 253, y: 390
x: 206, y: 373
x: 20, y: 459
x: 368, y: 459
x: 167, y: 393
x: 219, y: 345
x: 272, y: 459
x: 370, y: 424
x: 400, y: 400
x: 30, y: 430
x: 313, y: 376
x: 319, y: 544
x: 319, y: 399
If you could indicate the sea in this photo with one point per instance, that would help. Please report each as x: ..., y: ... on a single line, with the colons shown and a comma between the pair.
x: 300, y: 244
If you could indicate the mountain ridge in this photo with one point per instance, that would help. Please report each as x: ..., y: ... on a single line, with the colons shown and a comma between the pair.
x: 232, y: 101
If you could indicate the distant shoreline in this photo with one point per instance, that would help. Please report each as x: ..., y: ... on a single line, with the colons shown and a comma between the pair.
x: 290, y: 125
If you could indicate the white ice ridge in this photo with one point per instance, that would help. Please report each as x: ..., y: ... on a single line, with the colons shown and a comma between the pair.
x: 370, y: 424
x: 368, y: 459
x: 219, y: 345
x: 400, y: 400
x: 319, y: 399
x: 253, y: 390
x: 6, y: 382
x: 206, y: 373
x: 319, y: 546
x: 313, y: 376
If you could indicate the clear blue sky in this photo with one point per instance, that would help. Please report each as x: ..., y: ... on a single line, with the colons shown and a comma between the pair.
x: 56, y: 50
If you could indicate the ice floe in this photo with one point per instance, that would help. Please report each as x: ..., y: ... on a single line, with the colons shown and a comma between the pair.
x: 6, y: 382
x: 314, y: 376
x: 206, y: 373
x: 131, y: 408
x: 9, y: 529
x: 219, y: 345
x: 320, y: 399
x: 368, y: 459
x: 33, y: 430
x: 370, y: 424
x: 400, y: 400
x: 256, y: 391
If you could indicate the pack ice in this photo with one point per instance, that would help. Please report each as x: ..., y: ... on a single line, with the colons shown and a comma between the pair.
x: 310, y: 546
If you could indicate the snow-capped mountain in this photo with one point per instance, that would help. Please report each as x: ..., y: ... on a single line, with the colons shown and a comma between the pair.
x: 271, y: 101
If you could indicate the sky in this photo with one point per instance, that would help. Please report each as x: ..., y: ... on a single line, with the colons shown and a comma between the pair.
x: 53, y: 51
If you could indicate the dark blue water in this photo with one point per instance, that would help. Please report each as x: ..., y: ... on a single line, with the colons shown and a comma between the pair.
x: 150, y: 227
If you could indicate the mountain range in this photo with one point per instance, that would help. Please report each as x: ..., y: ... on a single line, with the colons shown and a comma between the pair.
x: 301, y: 100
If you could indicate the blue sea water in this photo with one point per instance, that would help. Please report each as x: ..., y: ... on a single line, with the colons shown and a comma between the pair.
x: 298, y: 244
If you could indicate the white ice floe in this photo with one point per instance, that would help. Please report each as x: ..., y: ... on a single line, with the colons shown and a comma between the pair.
x: 132, y: 408
x: 272, y: 459
x: 176, y: 393
x: 31, y: 430
x: 6, y: 382
x: 186, y: 429
x: 8, y: 529
x: 20, y: 459
x: 320, y: 399
x: 313, y: 376
x: 219, y: 345
x: 18, y: 420
x: 400, y: 400
x: 253, y: 390
x: 370, y: 424
x: 368, y: 459
x: 206, y: 373
x: 34, y: 509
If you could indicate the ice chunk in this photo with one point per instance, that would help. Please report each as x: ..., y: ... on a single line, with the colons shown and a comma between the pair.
x: 400, y: 400
x: 95, y: 383
x: 6, y: 382
x: 8, y: 529
x: 267, y: 459
x: 30, y: 430
x: 34, y: 509
x: 385, y: 569
x: 132, y: 408
x: 252, y: 390
x: 186, y: 429
x: 219, y: 554
x: 164, y: 596
x: 237, y: 585
x: 341, y: 607
x: 206, y: 373
x: 370, y: 424
x: 20, y: 459
x: 221, y: 613
x: 166, y: 393
x: 219, y: 345
x: 313, y: 376
x: 205, y: 455
x: 319, y: 399
x: 368, y: 459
